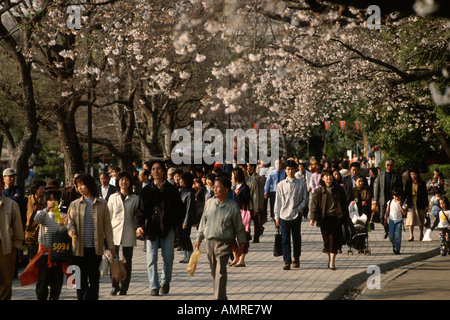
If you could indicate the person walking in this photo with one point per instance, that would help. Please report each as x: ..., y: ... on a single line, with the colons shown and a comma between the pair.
x: 395, y: 214
x: 417, y: 201
x: 290, y: 201
x: 105, y: 190
x: 49, y: 274
x: 122, y: 209
x: 259, y: 215
x: 160, y: 213
x: 329, y: 210
x: 349, y: 181
x: 385, y: 183
x: 189, y: 218
x: 242, y: 196
x: 35, y: 203
x: 11, y: 238
x: 15, y: 192
x: 89, y: 225
x: 305, y: 175
x: 442, y: 223
x: 270, y: 188
x: 221, y: 223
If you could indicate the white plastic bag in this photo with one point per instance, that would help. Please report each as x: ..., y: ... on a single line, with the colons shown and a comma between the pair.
x: 353, y: 211
x: 427, y: 235
x: 104, y: 265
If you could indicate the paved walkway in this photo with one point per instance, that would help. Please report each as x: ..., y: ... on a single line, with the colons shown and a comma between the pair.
x: 263, y: 277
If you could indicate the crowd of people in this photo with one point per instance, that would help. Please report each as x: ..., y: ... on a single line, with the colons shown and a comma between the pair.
x: 161, y: 205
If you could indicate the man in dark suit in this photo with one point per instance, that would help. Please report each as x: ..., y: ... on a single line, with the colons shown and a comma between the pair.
x: 349, y: 181
x: 144, y: 180
x: 105, y: 189
x: 386, y: 182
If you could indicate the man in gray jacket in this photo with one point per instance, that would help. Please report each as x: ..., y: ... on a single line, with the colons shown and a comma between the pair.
x: 385, y: 183
x: 221, y: 222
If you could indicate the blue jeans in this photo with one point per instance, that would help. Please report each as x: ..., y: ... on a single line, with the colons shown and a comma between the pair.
x: 395, y: 233
x: 290, y: 228
x: 167, y: 252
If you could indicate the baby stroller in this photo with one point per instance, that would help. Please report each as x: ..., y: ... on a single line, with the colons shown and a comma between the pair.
x: 360, y: 239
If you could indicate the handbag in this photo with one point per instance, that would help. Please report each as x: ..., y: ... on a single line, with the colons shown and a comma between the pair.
x: 277, y: 247
x: 61, y: 250
x: 192, y: 265
x: 246, y: 219
x: 117, y: 268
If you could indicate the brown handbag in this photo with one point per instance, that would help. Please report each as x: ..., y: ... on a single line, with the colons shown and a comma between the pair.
x: 117, y: 268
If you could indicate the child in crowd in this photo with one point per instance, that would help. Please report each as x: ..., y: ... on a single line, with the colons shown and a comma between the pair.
x: 442, y: 223
x: 395, y: 212
x: 50, y: 274
x: 434, y: 202
x: 362, y: 192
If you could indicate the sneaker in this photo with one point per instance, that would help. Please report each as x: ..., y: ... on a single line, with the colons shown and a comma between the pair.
x: 165, y: 289
x: 154, y: 292
x: 287, y: 266
x: 296, y: 264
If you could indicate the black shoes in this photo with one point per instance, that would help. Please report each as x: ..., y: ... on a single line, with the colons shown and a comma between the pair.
x: 165, y: 289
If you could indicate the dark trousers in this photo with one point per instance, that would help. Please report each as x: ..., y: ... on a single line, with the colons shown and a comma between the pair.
x: 272, y: 203
x: 128, y: 256
x: 382, y: 213
x: 291, y: 228
x: 89, y: 266
x: 49, y: 277
x: 257, y: 225
x: 184, y: 238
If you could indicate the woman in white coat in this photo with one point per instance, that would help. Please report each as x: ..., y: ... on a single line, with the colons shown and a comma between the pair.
x: 122, y: 208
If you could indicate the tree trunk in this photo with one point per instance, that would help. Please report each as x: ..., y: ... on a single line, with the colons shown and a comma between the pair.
x: 70, y: 145
x: 444, y: 140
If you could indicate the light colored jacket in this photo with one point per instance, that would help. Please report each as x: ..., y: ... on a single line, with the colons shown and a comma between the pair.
x: 102, y: 225
x: 122, y: 218
x: 11, y: 230
x: 291, y: 199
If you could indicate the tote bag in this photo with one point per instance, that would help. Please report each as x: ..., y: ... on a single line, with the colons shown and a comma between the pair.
x: 277, y: 247
x: 61, y: 250
x: 117, y: 268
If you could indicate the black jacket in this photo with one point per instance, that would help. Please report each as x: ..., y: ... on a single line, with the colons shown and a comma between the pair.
x: 160, y: 210
x: 422, y: 195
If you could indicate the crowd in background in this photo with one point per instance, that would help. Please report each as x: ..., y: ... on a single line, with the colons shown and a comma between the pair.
x: 177, y: 195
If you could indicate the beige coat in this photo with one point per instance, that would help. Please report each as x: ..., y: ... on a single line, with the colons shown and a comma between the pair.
x: 122, y: 218
x: 11, y: 230
x: 102, y: 225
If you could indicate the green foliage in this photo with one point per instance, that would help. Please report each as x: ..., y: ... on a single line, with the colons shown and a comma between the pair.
x: 444, y: 168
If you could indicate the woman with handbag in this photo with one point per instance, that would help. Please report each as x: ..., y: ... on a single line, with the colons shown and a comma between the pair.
x: 122, y: 209
x: 417, y: 201
x: 89, y: 225
x: 329, y: 210
x: 241, y: 195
